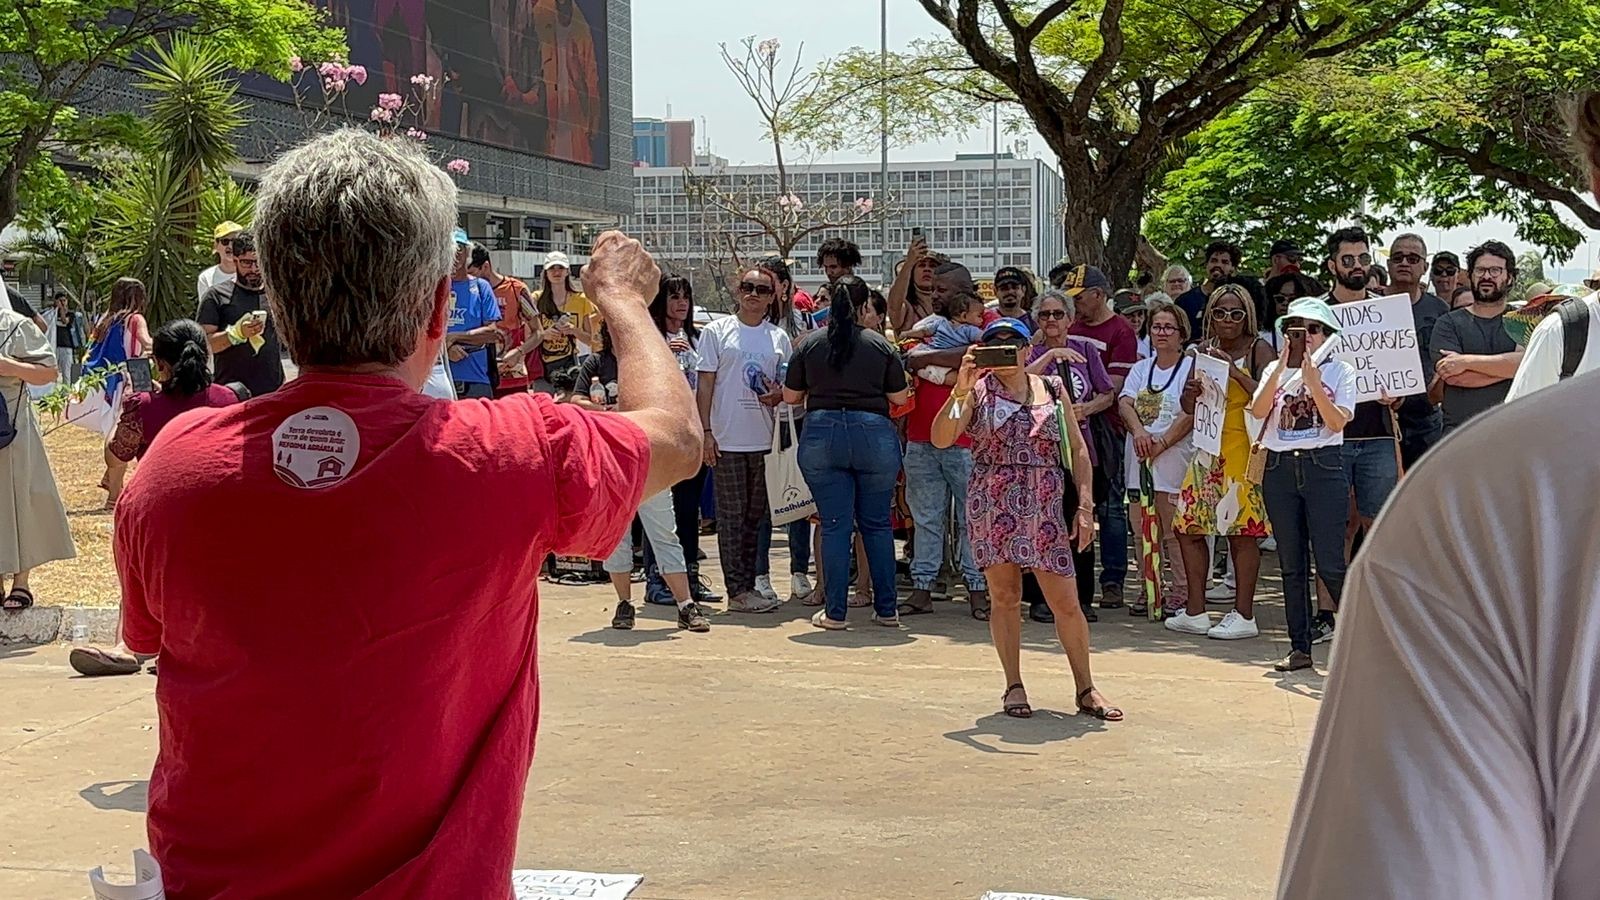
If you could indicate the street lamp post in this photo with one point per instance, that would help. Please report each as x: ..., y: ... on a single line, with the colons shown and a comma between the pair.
x: 994, y: 188
x: 883, y: 137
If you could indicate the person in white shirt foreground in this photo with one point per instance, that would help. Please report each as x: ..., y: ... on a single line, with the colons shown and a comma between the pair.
x: 1457, y: 753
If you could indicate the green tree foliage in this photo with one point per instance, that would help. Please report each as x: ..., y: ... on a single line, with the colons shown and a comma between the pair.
x: 1455, y: 117
x: 51, y: 49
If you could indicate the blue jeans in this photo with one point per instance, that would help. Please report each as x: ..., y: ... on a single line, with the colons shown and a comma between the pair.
x: 1113, y: 516
x: 799, y: 547
x: 851, y: 461
x: 1370, y: 467
x: 934, y: 478
x: 1308, y: 501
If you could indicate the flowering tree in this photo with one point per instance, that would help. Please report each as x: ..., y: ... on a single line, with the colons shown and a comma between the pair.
x: 395, y: 115
x: 781, y: 217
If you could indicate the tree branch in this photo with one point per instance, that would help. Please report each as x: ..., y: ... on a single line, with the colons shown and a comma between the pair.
x: 1110, y: 53
x: 1040, y: 22
x: 1481, y: 164
x: 1361, y: 39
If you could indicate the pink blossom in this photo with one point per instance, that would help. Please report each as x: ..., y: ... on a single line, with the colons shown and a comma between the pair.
x: 295, y: 65
x: 768, y: 49
x: 333, y: 85
x: 422, y: 81
x: 379, y: 114
x: 863, y: 205
x: 791, y: 202
x: 416, y: 134
x: 458, y: 167
x: 358, y: 74
x: 391, y: 102
x: 331, y: 70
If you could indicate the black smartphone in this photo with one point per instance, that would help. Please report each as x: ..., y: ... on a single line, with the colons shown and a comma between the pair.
x: 916, y: 231
x: 995, y: 357
x: 1297, y: 346
x: 139, y: 375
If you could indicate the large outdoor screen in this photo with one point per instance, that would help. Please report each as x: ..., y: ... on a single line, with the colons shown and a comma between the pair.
x: 527, y: 75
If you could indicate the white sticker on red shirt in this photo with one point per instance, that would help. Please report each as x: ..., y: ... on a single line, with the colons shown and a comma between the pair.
x: 315, y: 448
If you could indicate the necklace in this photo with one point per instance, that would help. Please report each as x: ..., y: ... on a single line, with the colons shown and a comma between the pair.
x: 1150, y: 379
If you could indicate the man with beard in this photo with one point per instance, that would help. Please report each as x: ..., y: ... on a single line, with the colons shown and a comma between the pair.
x: 1474, y: 357
x: 1370, y: 463
x: 234, y: 316
x: 1014, y: 295
x: 1421, y: 423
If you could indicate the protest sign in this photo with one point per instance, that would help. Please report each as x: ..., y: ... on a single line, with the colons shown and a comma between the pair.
x: 1378, y: 338
x: 146, y: 881
x: 1012, y: 895
x: 559, y: 884
x: 1209, y: 407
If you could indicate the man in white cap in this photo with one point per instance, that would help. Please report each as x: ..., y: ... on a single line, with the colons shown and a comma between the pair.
x: 222, y: 245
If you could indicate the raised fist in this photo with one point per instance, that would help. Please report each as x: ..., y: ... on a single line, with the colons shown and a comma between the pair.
x: 620, y: 271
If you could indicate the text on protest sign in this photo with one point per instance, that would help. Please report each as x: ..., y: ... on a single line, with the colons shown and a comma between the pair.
x: 1212, y: 403
x: 558, y: 884
x: 1378, y: 338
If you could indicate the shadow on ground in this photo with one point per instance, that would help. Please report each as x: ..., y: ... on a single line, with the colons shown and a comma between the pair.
x: 130, y: 796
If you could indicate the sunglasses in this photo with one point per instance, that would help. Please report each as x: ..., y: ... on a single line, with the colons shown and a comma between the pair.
x: 1307, y: 327
x: 1051, y: 314
x: 1349, y: 260
x: 1228, y: 315
x: 1409, y: 259
x: 1163, y: 328
x: 760, y: 290
x: 1445, y: 271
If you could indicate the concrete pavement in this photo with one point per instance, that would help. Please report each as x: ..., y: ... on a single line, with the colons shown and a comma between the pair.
x: 769, y: 759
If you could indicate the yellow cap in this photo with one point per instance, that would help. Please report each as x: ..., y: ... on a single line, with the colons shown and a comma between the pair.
x: 225, y: 229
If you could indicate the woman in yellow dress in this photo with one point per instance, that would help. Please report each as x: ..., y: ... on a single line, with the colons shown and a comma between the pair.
x: 1217, y: 497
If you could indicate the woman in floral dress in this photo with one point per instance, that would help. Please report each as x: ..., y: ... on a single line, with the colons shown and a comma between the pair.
x: 1217, y: 498
x: 1017, y: 515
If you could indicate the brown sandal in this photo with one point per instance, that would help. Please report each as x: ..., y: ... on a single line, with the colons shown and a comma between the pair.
x: 1103, y: 713
x: 1016, y: 710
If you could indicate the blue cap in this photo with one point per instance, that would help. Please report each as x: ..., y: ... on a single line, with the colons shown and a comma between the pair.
x: 461, y: 237
x: 1002, y: 324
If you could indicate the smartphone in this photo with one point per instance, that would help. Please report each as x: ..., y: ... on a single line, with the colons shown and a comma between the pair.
x: 1297, y: 346
x: 916, y: 231
x: 995, y: 357
x: 139, y: 376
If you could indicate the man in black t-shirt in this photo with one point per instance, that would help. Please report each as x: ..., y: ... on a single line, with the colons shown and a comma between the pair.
x: 1474, y: 358
x: 234, y: 314
x: 1421, y: 423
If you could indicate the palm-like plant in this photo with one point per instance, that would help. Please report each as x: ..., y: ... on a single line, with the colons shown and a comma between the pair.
x: 142, y: 236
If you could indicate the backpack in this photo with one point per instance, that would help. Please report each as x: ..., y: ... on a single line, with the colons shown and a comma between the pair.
x: 1575, y: 329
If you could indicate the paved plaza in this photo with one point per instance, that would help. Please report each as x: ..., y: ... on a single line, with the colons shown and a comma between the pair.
x: 769, y: 759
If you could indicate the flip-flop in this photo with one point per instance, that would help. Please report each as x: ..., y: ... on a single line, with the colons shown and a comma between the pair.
x: 18, y: 600
x: 821, y: 620
x: 95, y: 662
x: 906, y: 609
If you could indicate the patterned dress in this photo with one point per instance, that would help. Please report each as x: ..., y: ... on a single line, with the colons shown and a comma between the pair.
x: 1014, y: 501
x: 1217, y: 497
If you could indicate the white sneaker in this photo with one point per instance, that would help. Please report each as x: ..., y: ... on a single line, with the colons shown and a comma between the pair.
x: 753, y: 602
x: 800, y: 587
x: 1269, y: 545
x: 764, y: 587
x: 1222, y: 591
x: 1188, y: 624
x: 1234, y: 627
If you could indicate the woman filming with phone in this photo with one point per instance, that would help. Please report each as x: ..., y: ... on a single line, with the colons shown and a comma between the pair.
x: 1029, y: 503
x: 1306, y: 397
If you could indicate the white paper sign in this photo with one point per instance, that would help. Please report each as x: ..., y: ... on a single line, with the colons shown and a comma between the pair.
x: 1012, y: 895
x: 146, y: 881
x: 1212, y: 373
x: 1378, y: 338
x: 559, y: 884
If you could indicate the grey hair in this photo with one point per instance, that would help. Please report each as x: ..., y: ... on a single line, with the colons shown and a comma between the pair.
x: 1408, y: 236
x: 1176, y: 271
x: 1061, y: 297
x: 354, y: 233
x: 1158, y: 298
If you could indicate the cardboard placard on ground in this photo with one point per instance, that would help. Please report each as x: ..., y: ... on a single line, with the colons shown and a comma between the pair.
x: 1212, y: 403
x: 560, y: 884
x: 1378, y: 338
x: 1013, y: 895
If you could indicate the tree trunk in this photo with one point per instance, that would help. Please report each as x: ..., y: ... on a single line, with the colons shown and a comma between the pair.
x: 1103, y: 227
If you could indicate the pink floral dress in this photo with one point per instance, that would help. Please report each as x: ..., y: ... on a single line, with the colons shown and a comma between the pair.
x: 1014, y: 500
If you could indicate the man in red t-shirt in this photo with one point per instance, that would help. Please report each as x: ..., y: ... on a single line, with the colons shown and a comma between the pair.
x: 519, y: 359
x: 359, y: 722
x: 1095, y: 320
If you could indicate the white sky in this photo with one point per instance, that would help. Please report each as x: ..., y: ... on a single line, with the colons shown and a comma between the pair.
x: 676, y: 62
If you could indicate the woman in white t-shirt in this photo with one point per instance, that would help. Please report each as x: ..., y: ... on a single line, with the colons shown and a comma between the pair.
x: 1306, y: 492
x: 1158, y: 434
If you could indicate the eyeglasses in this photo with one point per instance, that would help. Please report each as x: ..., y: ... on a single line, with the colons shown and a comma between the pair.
x: 1409, y: 259
x: 1163, y: 328
x: 760, y: 290
x: 1314, y: 328
x: 1051, y: 314
x: 1490, y: 271
x: 1228, y: 315
x: 1348, y: 260
x: 1445, y: 271
x: 1286, y: 297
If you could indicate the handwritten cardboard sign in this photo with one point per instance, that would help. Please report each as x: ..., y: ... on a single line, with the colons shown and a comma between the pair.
x: 1378, y: 338
x: 1212, y: 403
x: 1013, y: 895
x: 559, y: 884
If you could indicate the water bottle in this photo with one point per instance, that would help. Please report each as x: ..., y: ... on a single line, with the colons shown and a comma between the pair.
x: 80, y: 627
x: 597, y: 393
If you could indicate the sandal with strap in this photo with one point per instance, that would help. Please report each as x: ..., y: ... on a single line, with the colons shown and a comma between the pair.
x: 18, y: 600
x: 1020, y: 710
x: 1103, y: 713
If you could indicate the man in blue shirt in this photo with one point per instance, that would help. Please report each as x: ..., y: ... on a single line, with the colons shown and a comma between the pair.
x: 473, y: 313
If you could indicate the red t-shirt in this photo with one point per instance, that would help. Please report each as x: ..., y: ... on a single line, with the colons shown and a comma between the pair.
x: 346, y: 612
x: 509, y: 292
x: 930, y: 399
x: 1116, y: 340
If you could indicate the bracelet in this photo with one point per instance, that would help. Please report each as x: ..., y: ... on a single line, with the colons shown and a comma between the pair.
x: 961, y: 396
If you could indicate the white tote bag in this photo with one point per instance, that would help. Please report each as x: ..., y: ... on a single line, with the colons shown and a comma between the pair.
x: 787, y: 492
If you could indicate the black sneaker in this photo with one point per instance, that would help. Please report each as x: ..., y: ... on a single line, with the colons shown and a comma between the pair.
x: 1040, y: 612
x: 1322, y: 631
x: 623, y: 620
x: 1294, y: 662
x: 1089, y: 615
x: 690, y: 617
x: 700, y: 590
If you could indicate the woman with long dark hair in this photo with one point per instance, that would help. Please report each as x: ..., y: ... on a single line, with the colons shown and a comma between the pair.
x: 796, y: 324
x: 121, y: 334
x: 1282, y: 290
x: 180, y: 355
x: 570, y: 323
x: 911, y: 295
x: 848, y: 377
